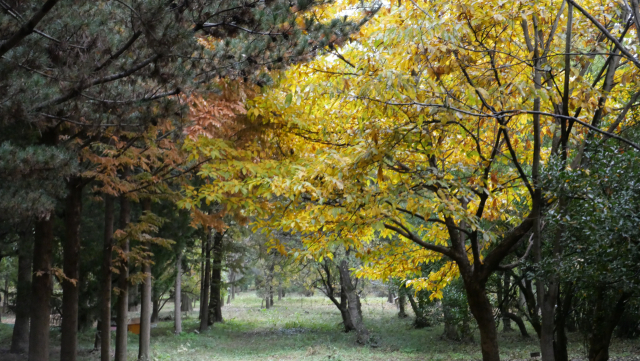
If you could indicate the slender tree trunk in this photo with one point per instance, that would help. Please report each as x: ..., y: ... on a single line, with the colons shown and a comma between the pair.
x: 144, y: 341
x: 70, y: 289
x: 402, y: 302
x: 205, y: 239
x: 178, y: 290
x: 450, y: 329
x: 123, y: 286
x: 134, y: 294
x: 215, y: 311
x: 422, y: 322
x: 105, y: 291
x: 271, y: 295
x: 5, y: 304
x: 518, y: 320
x: 41, y: 291
x: 561, y: 353
x: 506, y: 320
x: 546, y: 343
x: 145, y: 316
x: 232, y: 278
x: 20, y: 337
x: 206, y: 285
x: 155, y: 309
x: 353, y: 301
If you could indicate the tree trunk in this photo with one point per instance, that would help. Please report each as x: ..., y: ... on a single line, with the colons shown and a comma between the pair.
x: 215, y: 310
x: 155, y: 309
x: 450, y: 329
x: 70, y: 289
x: 519, y: 322
x: 422, y: 322
x: 105, y: 291
x: 353, y: 302
x: 547, y: 299
x: 279, y: 291
x: 134, y: 295
x: 202, y: 273
x: 145, y: 315
x: 271, y: 295
x: 402, y: 302
x: 5, y: 304
x: 604, y: 322
x: 482, y: 311
x: 506, y: 320
x: 123, y: 286
x: 144, y: 341
x: 176, y: 298
x: 20, y: 337
x: 186, y: 305
x: 266, y: 302
x: 206, y: 285
x: 42, y: 285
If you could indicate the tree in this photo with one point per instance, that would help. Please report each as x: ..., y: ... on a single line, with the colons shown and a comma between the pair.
x: 438, y: 133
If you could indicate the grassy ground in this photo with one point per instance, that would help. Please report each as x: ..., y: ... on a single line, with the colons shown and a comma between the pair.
x: 308, y: 328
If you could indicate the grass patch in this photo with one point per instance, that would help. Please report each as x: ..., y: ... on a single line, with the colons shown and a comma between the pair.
x: 309, y: 328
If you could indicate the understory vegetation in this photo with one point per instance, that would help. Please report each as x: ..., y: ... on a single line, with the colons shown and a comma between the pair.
x: 309, y: 328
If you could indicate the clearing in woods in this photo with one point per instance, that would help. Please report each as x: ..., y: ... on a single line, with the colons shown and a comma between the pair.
x: 309, y: 328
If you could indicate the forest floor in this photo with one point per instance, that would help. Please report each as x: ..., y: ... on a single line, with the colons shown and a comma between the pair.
x: 309, y: 328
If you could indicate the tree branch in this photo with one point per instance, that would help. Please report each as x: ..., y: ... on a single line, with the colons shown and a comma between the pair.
x: 27, y: 28
x: 402, y: 230
x: 606, y: 33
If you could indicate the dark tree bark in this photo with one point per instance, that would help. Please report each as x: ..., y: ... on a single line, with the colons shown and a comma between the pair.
x: 123, y: 286
x: 353, y: 303
x: 71, y: 268
x: 28, y: 27
x: 271, y: 295
x: 604, y: 322
x: 506, y: 320
x: 20, y: 336
x: 421, y: 321
x: 206, y: 284
x: 155, y: 306
x: 482, y: 310
x: 105, y: 290
x: 531, y: 312
x: 41, y: 291
x: 215, y: 310
x: 564, y: 306
x: 177, y: 326
x: 518, y: 320
x: 402, y: 302
x: 144, y: 340
x: 134, y: 294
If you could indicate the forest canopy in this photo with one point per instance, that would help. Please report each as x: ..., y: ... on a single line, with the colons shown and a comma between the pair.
x: 476, y: 156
